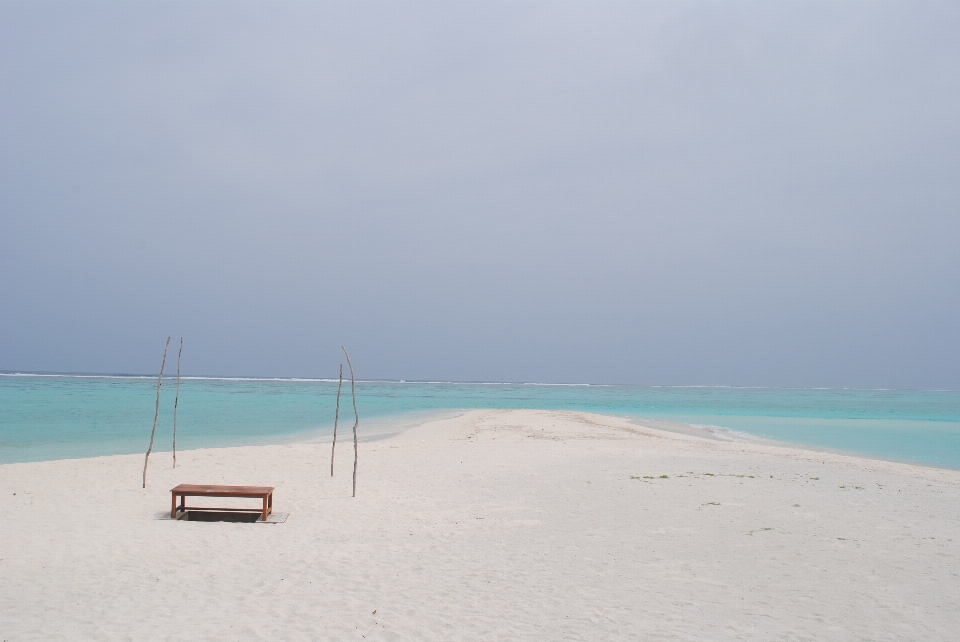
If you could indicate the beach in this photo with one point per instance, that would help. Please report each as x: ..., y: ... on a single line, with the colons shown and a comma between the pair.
x: 495, y: 524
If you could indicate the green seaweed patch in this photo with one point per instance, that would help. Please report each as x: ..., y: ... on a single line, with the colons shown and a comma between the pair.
x: 760, y: 530
x: 664, y: 477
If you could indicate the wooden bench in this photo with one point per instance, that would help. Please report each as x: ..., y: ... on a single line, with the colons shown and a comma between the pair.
x: 203, y: 490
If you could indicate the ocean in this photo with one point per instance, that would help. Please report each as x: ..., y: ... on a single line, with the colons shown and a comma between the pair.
x: 45, y: 417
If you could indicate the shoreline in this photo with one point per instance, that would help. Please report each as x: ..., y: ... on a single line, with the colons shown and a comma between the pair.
x: 388, y: 426
x: 79, y: 417
x: 726, y: 435
x: 664, y: 429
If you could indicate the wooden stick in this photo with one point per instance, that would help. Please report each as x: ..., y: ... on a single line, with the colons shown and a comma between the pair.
x: 336, y: 418
x: 156, y: 413
x: 176, y: 402
x: 353, y: 390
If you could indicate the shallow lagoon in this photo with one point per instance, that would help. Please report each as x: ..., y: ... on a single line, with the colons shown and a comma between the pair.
x: 53, y: 417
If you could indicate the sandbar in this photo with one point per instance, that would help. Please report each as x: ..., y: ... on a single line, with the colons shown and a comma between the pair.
x: 495, y: 524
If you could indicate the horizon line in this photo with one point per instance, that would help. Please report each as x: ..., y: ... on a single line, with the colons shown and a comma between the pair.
x: 91, y: 375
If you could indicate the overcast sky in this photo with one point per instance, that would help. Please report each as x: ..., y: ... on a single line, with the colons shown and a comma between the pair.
x: 657, y: 193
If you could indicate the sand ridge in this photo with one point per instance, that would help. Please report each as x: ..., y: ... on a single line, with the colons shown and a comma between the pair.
x: 493, y: 524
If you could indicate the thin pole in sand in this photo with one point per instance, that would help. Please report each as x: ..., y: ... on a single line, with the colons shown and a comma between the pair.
x: 156, y: 413
x: 336, y: 418
x: 353, y: 390
x: 176, y: 402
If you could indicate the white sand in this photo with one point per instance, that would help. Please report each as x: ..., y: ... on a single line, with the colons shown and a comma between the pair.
x: 495, y: 525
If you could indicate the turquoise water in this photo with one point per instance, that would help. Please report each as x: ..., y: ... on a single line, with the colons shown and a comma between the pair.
x: 55, y: 417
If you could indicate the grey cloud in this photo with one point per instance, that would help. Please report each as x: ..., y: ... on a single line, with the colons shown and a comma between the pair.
x: 679, y: 193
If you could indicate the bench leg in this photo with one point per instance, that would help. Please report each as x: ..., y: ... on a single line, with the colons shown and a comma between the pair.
x: 173, y: 506
x: 264, y: 508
